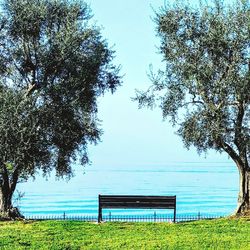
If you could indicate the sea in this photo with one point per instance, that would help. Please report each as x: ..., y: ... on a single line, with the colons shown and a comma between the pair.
x: 204, y: 188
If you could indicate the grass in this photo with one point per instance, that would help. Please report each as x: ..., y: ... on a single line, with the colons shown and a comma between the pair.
x: 208, y: 234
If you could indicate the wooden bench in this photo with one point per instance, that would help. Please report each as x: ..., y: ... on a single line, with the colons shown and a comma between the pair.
x: 136, y: 201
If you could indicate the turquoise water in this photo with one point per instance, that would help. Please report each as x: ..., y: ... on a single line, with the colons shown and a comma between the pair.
x: 208, y: 188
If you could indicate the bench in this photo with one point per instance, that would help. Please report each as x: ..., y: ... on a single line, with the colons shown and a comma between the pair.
x: 136, y: 201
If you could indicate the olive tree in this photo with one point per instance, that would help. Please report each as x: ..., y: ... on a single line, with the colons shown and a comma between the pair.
x: 53, y: 66
x: 204, y: 88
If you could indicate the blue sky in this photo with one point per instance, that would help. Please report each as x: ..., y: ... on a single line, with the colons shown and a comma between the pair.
x: 135, y: 137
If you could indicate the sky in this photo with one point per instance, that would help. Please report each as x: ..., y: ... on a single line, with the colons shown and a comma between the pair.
x: 132, y: 136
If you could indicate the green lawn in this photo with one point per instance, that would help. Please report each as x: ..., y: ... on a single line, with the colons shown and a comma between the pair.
x: 211, y: 234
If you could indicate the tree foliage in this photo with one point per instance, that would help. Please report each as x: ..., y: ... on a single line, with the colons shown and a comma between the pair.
x: 207, y: 74
x: 205, y: 87
x: 53, y: 67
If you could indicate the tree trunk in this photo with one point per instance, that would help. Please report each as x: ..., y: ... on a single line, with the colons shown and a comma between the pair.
x: 244, y: 193
x: 7, y: 189
x: 7, y: 211
x: 5, y: 200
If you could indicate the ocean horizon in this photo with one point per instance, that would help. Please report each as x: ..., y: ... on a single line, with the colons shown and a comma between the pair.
x: 204, y: 188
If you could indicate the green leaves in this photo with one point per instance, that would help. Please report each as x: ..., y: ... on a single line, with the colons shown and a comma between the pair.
x: 58, y: 66
x: 206, y: 79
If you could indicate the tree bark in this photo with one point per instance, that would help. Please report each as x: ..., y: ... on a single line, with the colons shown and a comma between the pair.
x: 7, y: 189
x: 244, y: 193
x: 5, y: 200
x: 241, y: 161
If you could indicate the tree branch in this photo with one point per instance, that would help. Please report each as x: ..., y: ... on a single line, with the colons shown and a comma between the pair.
x: 238, y: 131
x: 231, y: 152
x: 5, y: 179
x: 14, y: 179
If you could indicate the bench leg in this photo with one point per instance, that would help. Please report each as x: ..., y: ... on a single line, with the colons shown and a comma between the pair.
x: 174, y: 215
x: 99, y: 215
x: 99, y: 209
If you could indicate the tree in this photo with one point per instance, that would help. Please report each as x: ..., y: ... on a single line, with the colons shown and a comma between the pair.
x: 53, y: 67
x: 204, y: 89
x: 20, y: 141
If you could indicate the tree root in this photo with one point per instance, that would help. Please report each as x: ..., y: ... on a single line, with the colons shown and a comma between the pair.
x: 12, y: 214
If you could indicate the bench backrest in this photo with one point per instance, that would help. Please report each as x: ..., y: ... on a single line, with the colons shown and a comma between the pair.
x: 137, y: 201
